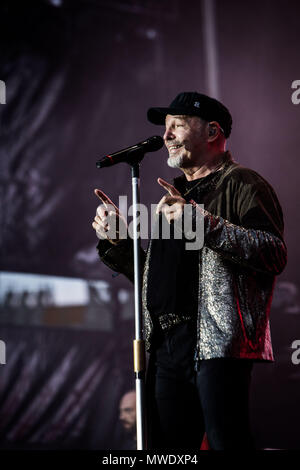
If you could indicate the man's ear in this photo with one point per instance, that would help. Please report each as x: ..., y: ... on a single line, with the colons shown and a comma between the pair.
x: 211, y: 130
x: 214, y: 131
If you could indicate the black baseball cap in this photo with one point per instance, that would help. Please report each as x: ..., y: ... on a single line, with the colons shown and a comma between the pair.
x: 194, y: 104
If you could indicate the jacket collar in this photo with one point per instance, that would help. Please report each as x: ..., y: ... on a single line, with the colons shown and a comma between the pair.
x: 180, y: 181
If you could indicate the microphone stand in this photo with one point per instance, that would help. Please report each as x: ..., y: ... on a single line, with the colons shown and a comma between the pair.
x: 134, y: 157
x: 138, y: 343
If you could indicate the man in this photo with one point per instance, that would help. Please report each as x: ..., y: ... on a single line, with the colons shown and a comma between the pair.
x: 128, y: 420
x: 206, y: 311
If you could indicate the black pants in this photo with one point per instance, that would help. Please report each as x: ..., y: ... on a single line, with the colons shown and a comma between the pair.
x: 213, y: 399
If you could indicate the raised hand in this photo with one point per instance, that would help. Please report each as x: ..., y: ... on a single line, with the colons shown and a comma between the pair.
x: 172, y: 204
x: 109, y: 223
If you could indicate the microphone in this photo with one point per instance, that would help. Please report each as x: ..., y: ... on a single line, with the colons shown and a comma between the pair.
x: 149, y: 145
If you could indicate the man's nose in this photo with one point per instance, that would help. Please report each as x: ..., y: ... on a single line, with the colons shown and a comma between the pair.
x: 168, y: 135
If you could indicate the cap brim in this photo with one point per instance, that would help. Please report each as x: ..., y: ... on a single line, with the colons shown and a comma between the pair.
x: 158, y: 115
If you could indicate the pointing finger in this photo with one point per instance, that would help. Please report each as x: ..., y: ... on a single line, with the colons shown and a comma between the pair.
x: 169, y: 187
x: 105, y: 199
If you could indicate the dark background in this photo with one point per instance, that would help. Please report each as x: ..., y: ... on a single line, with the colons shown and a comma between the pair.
x: 79, y: 78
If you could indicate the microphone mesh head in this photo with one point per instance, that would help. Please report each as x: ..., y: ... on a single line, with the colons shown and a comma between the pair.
x: 154, y: 143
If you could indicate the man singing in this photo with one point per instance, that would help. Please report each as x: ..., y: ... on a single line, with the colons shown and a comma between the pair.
x: 206, y: 311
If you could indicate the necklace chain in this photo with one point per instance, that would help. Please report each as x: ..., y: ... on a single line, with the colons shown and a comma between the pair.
x: 218, y: 168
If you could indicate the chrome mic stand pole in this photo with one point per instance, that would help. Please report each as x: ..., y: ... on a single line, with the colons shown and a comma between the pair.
x: 138, y: 343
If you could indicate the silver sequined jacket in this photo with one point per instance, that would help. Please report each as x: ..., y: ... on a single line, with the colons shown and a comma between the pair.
x: 243, y: 251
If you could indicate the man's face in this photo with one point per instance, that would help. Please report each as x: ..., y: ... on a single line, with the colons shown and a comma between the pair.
x: 185, y: 140
x: 128, y: 411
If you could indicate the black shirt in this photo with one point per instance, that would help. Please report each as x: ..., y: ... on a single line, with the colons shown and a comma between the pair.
x: 173, y: 270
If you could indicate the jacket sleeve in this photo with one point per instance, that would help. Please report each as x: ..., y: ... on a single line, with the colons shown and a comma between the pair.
x: 119, y: 257
x: 256, y: 241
